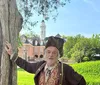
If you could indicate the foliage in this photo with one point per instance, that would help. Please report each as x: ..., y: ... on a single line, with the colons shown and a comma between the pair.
x: 95, y: 42
x: 19, y: 42
x: 77, y: 47
x: 80, y: 48
x: 85, y: 59
x: 31, y: 35
x: 70, y: 43
x: 46, y: 8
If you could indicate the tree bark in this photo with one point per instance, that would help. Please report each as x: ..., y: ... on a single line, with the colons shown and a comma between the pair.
x: 11, y: 22
x: 1, y: 44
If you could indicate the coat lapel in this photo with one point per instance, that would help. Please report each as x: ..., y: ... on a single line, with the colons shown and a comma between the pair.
x: 40, y: 68
x: 60, y: 67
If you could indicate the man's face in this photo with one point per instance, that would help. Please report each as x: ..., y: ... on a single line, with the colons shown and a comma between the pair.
x: 51, y: 55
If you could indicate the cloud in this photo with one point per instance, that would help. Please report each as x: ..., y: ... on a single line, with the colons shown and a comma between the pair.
x: 92, y: 4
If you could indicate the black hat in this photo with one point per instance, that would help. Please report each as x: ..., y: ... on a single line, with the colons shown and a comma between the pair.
x: 56, y: 42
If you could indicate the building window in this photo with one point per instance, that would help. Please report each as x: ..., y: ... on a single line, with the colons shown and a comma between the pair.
x: 41, y: 56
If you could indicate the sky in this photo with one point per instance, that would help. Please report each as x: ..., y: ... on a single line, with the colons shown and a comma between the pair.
x: 77, y: 17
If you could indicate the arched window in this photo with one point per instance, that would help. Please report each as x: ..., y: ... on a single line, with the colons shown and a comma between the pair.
x: 41, y: 56
x: 36, y: 56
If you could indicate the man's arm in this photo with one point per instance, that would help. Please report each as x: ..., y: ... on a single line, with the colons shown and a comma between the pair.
x: 29, y: 67
x: 73, y: 77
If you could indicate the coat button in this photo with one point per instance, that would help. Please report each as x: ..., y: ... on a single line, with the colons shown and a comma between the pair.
x: 39, y: 69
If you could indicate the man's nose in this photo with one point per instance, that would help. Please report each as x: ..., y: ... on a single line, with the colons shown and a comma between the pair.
x: 51, y: 54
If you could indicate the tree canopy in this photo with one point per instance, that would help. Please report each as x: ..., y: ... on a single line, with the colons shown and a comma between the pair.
x: 46, y: 8
x: 81, y: 48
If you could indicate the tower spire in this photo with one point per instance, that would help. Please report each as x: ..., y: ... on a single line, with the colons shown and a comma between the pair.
x: 43, y: 32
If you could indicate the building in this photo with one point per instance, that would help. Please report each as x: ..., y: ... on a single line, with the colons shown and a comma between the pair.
x: 43, y: 32
x: 33, y: 48
x: 30, y: 52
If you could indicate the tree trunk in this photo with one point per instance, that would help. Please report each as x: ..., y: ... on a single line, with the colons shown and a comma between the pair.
x: 0, y: 48
x: 11, y: 23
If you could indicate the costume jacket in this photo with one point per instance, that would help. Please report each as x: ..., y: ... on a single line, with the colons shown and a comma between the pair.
x: 66, y: 74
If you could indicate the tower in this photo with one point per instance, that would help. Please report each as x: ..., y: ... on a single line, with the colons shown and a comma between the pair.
x: 43, y: 32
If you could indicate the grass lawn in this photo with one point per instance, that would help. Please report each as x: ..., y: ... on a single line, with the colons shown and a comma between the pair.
x: 90, y: 71
x: 25, y: 78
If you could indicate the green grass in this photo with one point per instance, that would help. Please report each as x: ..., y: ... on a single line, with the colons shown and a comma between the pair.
x: 25, y: 78
x: 90, y: 71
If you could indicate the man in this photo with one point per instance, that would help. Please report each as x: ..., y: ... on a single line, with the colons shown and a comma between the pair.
x: 50, y: 71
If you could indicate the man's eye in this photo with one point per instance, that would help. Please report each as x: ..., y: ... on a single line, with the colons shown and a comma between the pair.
x: 48, y: 52
x: 54, y: 52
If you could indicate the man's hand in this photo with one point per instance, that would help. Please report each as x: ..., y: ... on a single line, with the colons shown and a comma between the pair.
x: 8, y: 48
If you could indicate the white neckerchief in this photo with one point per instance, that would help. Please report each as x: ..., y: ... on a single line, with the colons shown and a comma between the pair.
x: 49, y: 68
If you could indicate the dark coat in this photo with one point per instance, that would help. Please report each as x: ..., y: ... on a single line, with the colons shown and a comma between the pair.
x: 67, y: 75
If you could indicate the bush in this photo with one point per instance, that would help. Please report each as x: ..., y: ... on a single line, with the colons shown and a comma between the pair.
x: 85, y: 59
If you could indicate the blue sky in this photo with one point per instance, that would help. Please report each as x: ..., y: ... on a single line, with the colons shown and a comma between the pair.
x: 77, y: 17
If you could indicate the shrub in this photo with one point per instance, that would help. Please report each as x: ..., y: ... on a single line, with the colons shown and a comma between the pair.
x: 85, y: 59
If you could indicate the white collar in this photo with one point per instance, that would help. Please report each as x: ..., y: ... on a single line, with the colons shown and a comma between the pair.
x: 50, y: 67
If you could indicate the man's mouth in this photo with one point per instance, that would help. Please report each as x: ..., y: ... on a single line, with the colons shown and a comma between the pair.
x: 51, y: 58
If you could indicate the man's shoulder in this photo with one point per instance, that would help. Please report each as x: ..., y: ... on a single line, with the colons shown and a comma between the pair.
x: 66, y: 66
x: 40, y: 62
